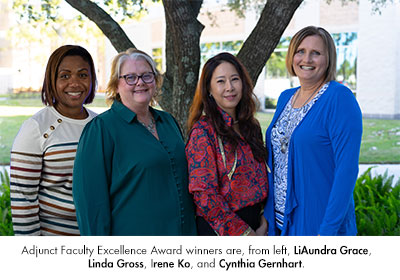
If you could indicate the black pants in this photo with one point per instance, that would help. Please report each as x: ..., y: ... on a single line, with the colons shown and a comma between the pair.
x: 249, y: 214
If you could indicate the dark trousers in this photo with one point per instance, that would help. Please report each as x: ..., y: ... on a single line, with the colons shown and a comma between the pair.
x: 249, y: 214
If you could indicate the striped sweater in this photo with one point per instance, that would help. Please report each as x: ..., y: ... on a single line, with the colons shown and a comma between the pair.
x: 42, y: 159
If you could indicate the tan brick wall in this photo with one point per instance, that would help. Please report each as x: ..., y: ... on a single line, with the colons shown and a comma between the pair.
x: 221, y: 23
x: 157, y: 31
x: 338, y: 14
x: 5, y: 46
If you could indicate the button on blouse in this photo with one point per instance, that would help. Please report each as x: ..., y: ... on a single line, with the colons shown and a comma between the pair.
x: 126, y: 182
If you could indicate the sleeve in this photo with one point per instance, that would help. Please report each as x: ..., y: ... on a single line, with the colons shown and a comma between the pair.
x: 92, y: 179
x: 203, y: 184
x: 345, y: 130
x: 25, y: 174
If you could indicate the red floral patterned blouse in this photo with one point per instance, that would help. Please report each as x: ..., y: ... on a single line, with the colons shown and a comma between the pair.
x: 216, y: 196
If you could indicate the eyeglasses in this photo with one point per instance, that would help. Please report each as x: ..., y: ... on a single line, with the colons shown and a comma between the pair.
x: 132, y: 79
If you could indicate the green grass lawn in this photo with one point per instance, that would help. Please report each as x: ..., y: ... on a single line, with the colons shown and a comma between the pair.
x: 264, y: 120
x: 9, y: 128
x: 380, y: 142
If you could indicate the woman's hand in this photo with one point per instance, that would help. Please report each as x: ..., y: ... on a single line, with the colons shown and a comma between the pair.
x: 263, y: 228
x: 252, y: 233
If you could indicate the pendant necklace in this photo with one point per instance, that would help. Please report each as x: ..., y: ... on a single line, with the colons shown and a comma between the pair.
x: 284, y: 141
x: 151, y: 127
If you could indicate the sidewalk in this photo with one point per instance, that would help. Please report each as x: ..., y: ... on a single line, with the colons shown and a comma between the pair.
x: 9, y: 111
x: 392, y: 169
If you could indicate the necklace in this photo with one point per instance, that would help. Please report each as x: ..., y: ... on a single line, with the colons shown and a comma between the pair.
x: 151, y: 127
x: 221, y: 147
x: 284, y: 141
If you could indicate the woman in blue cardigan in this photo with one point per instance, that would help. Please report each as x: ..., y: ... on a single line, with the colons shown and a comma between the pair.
x: 315, y: 138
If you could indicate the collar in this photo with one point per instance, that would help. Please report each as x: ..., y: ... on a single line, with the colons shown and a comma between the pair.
x: 127, y: 115
x: 227, y: 118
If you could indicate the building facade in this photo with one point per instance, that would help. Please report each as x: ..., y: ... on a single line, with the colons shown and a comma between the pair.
x: 6, y: 59
x: 367, y: 46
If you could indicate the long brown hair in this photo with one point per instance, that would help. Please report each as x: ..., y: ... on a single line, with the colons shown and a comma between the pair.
x: 204, y: 104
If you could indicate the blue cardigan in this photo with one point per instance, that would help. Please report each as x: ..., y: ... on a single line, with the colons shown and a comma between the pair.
x: 322, y: 166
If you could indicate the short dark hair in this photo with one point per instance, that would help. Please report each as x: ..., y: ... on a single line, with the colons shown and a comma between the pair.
x: 329, y: 45
x: 50, y: 76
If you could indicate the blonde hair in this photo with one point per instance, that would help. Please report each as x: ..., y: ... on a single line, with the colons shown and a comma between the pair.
x: 118, y: 61
x: 329, y: 45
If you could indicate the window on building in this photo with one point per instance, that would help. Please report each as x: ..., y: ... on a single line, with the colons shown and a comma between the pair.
x: 157, y: 57
x: 232, y: 46
x: 346, y: 49
x: 276, y: 66
x: 209, y: 50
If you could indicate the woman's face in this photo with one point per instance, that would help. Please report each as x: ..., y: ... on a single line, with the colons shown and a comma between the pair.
x: 138, y: 95
x: 310, y: 60
x: 226, y: 87
x: 73, y: 85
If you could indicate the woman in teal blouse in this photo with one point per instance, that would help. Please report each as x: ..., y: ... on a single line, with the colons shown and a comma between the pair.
x: 130, y: 173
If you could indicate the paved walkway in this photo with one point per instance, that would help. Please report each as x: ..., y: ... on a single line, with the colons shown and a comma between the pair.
x: 393, y: 169
x: 8, y: 111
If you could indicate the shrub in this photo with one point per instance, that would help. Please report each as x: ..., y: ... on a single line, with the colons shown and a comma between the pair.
x: 6, y: 227
x: 377, y: 202
x: 270, y: 103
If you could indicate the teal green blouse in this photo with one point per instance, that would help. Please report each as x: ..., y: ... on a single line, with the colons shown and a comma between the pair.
x: 126, y: 182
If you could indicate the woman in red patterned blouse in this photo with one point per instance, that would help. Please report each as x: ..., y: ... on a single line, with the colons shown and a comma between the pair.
x: 225, y: 151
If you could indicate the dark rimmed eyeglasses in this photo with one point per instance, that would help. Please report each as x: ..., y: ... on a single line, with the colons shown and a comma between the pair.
x: 132, y: 79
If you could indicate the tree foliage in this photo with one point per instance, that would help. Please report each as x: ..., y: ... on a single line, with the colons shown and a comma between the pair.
x: 34, y: 11
x: 43, y: 21
x: 183, y: 31
x: 377, y: 5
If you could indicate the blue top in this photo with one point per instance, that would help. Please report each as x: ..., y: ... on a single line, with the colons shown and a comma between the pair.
x: 126, y: 182
x: 280, y: 135
x: 322, y: 166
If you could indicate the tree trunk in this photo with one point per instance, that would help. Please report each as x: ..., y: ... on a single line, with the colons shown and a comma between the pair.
x: 183, y: 32
x: 265, y: 36
x: 111, y: 29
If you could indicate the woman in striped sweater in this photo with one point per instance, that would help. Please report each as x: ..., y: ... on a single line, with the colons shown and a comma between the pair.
x: 43, y: 152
